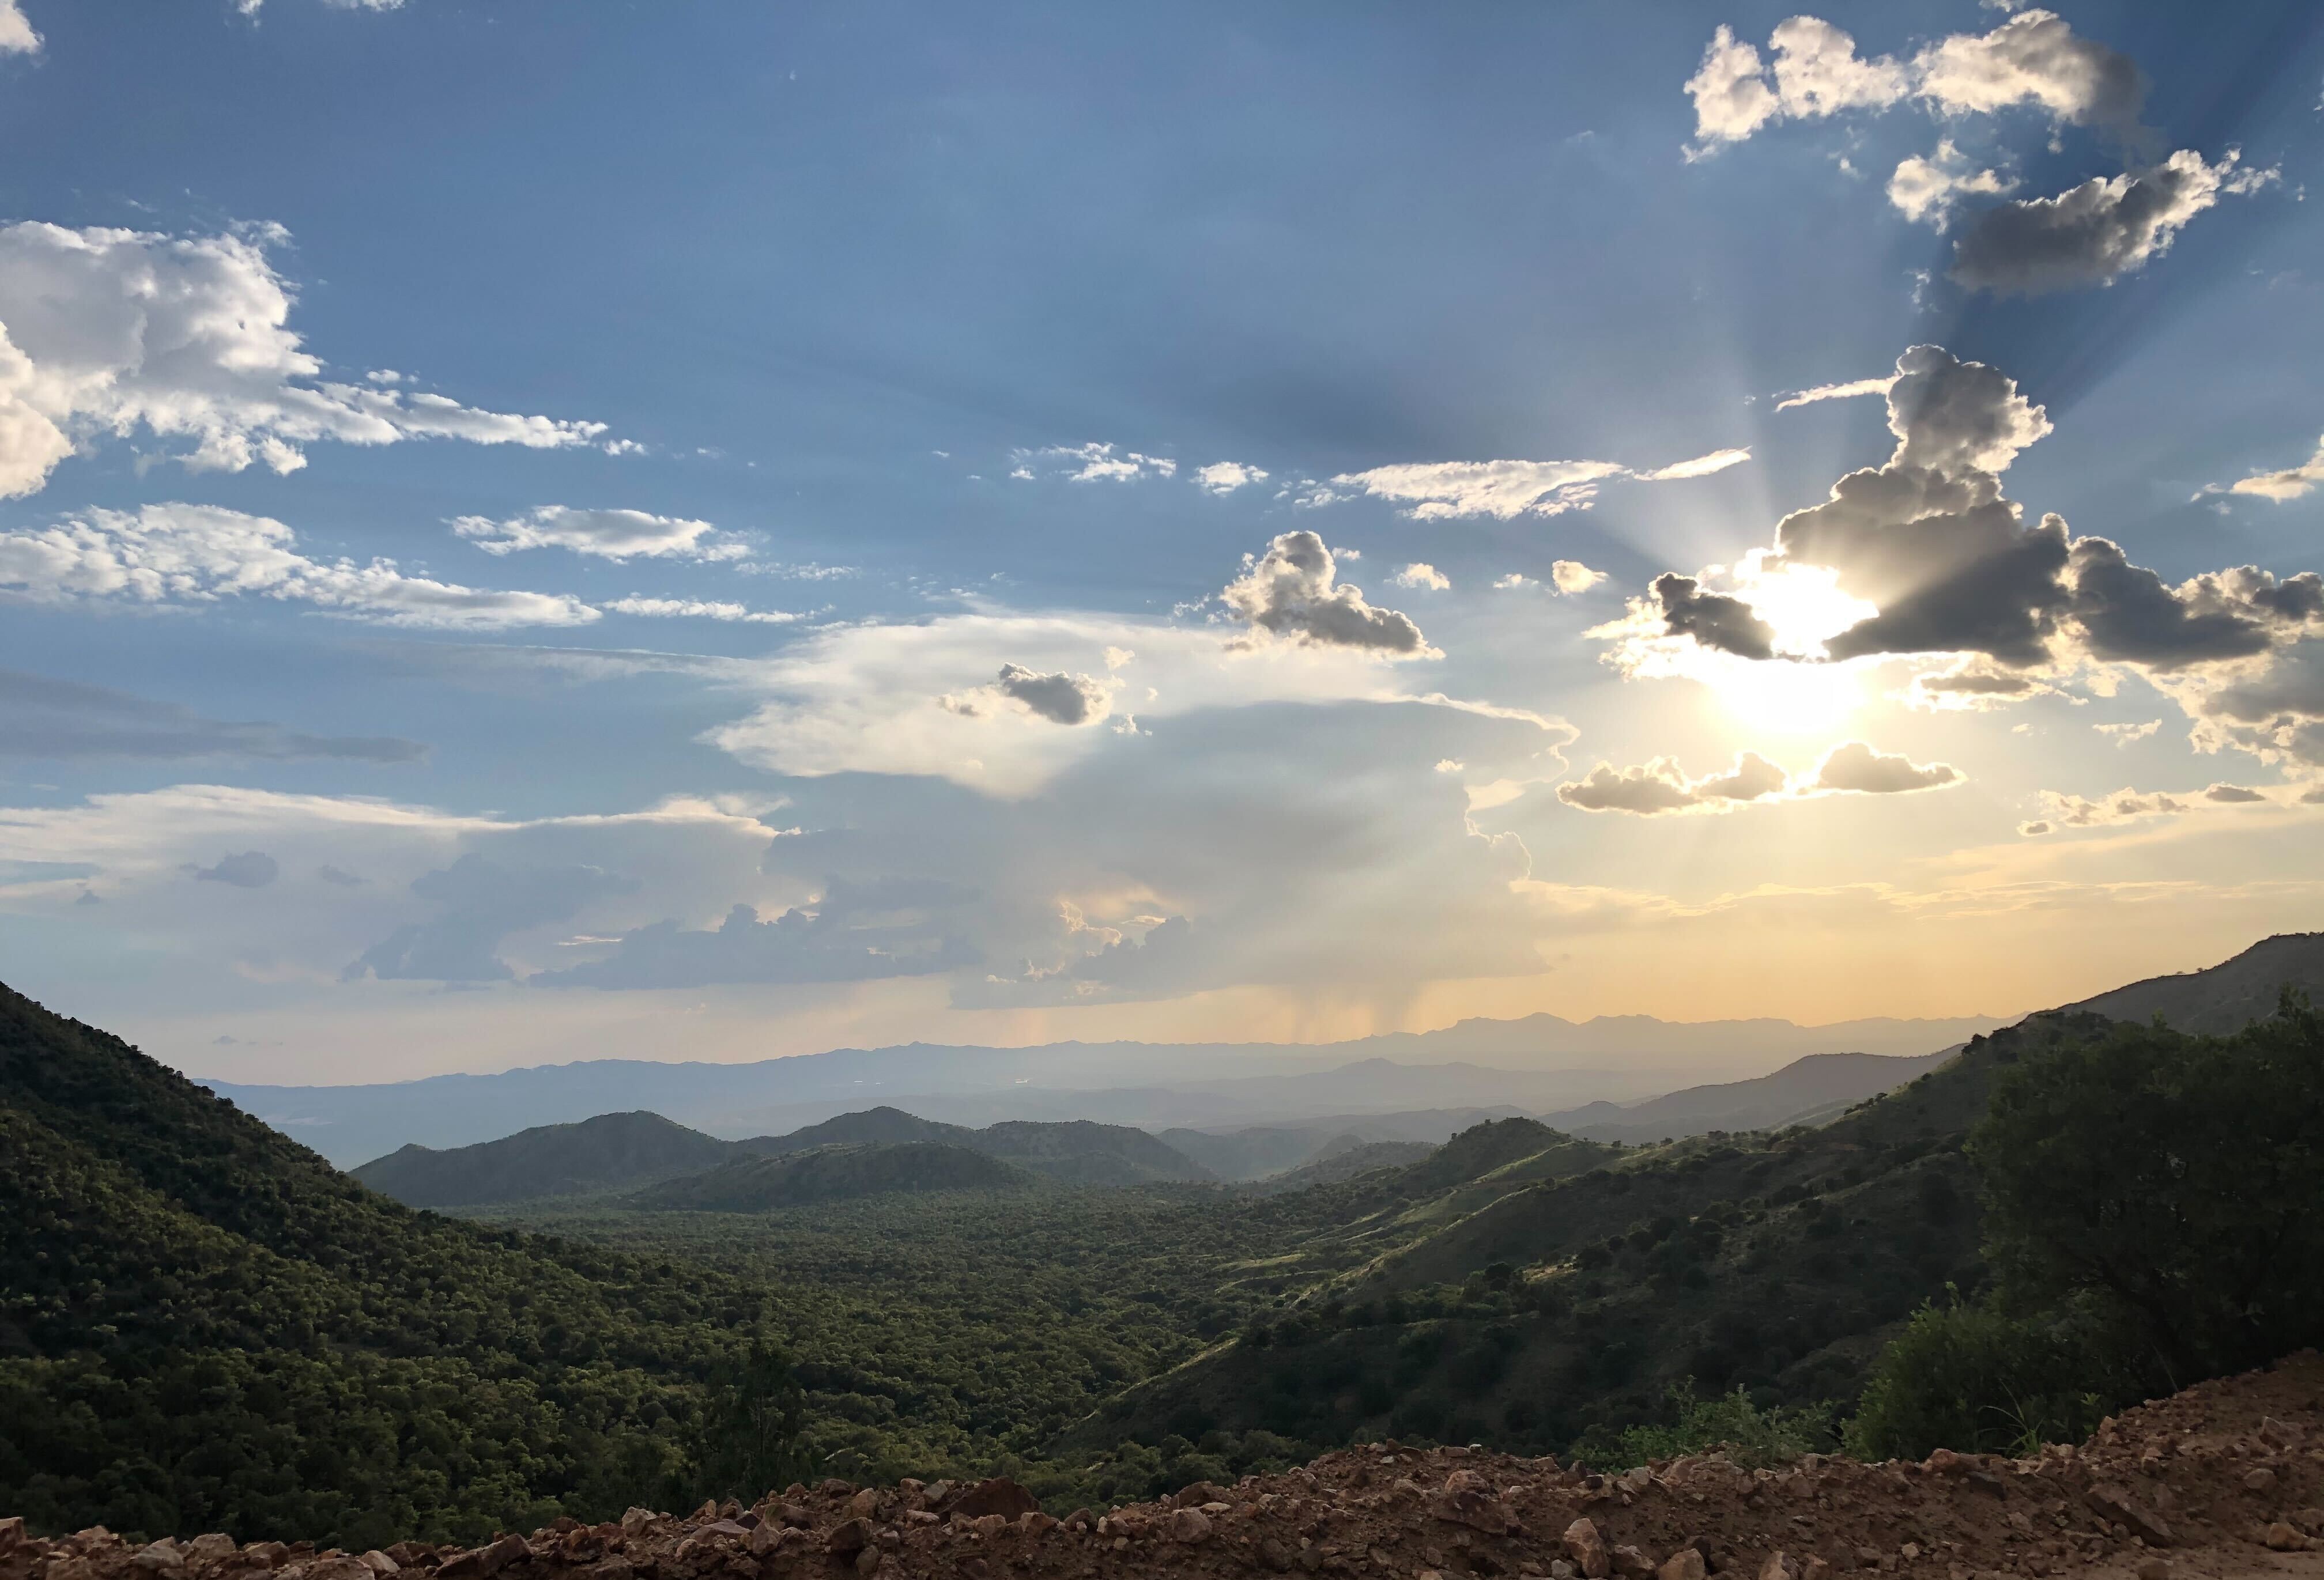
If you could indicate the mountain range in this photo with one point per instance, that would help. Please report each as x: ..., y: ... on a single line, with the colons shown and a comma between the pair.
x: 1537, y: 1064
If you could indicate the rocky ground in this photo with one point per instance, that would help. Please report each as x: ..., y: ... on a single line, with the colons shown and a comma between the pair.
x: 2224, y: 1480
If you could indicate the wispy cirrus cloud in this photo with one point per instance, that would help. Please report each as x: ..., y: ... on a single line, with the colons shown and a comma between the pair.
x: 1433, y: 490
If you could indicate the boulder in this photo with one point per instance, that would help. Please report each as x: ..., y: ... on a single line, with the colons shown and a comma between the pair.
x: 1587, y: 1549
x: 1686, y: 1563
x: 999, y: 1495
x: 848, y: 1538
x: 1189, y: 1525
x: 1779, y: 1566
x: 1631, y: 1563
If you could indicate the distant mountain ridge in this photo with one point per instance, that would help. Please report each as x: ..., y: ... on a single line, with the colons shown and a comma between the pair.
x: 624, y: 1152
x: 2224, y: 997
x: 1532, y: 1065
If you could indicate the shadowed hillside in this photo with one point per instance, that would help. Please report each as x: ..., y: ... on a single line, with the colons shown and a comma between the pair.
x: 836, y: 1174
x: 611, y: 1151
x: 208, y: 1326
x: 2224, y: 997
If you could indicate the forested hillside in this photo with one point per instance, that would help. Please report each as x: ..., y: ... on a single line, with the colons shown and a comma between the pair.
x: 206, y: 1327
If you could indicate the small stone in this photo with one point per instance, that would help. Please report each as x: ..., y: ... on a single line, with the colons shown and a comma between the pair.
x: 867, y: 1562
x: 989, y: 1525
x: 1000, y: 1495
x: 1781, y: 1566
x: 1274, y: 1555
x: 2260, y: 1480
x: 864, y: 1503
x: 1630, y: 1563
x: 2280, y: 1537
x: 2153, y: 1569
x: 378, y: 1563
x: 848, y: 1538
x: 1815, y: 1568
x: 1189, y: 1525
x: 1558, y: 1569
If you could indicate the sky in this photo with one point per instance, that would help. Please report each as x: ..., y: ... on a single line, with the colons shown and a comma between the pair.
x: 534, y: 531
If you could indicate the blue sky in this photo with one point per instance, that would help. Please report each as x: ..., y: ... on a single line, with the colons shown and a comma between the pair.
x: 574, y: 471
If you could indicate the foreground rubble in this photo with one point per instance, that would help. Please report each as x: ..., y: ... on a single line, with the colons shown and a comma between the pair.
x: 2225, y: 1479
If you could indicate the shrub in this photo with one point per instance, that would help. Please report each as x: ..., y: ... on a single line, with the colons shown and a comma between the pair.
x: 1971, y: 1378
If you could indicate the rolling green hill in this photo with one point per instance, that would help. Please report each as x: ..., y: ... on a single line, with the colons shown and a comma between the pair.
x: 611, y: 1151
x: 203, y: 1327
x: 836, y: 1174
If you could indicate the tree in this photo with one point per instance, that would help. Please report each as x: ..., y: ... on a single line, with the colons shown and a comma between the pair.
x: 2177, y: 1181
x: 748, y: 1441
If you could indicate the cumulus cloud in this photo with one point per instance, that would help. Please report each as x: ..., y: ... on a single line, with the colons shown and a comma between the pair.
x: 2129, y: 734
x: 62, y: 718
x: 251, y: 869
x: 16, y: 34
x: 1292, y: 592
x: 1713, y: 620
x: 1924, y: 555
x: 2093, y: 233
x: 111, y: 331
x: 1436, y: 490
x: 480, y: 902
x: 616, y: 535
x: 1661, y: 786
x: 1059, y: 697
x: 193, y: 555
x: 2232, y: 795
x: 1419, y: 574
x: 2292, y: 483
x: 1223, y: 477
x: 2033, y: 59
x: 1089, y: 463
x: 700, y: 609
x: 2124, y: 806
x: 1855, y: 769
x: 1926, y: 188
x: 1572, y: 577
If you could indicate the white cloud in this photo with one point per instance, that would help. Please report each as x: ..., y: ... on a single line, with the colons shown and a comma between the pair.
x: 2095, y: 232
x: 108, y: 332
x: 1421, y: 574
x: 607, y: 534
x: 1926, y: 188
x: 1729, y: 89
x: 191, y: 554
x: 697, y: 609
x: 1292, y: 592
x: 1223, y: 477
x: 2290, y: 484
x: 2126, y: 734
x: 1514, y: 582
x: 2032, y: 58
x: 1853, y: 388
x: 1089, y: 463
x: 866, y: 699
x: 16, y: 34
x: 1505, y: 490
x: 1699, y: 466
x: 1573, y: 577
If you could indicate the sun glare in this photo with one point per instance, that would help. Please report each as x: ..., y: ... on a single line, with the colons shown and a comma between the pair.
x: 1779, y: 698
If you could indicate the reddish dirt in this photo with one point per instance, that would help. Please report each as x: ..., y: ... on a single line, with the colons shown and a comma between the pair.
x: 2226, y: 1480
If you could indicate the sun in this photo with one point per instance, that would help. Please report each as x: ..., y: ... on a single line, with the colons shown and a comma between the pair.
x: 1801, y: 691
